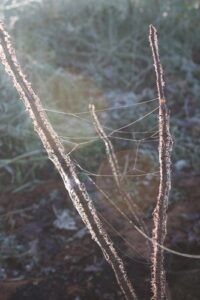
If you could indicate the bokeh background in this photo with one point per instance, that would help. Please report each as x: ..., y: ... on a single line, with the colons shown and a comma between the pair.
x: 87, y: 51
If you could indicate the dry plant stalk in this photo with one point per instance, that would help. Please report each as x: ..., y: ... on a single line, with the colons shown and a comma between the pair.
x: 158, y: 280
x: 63, y: 163
x: 114, y: 164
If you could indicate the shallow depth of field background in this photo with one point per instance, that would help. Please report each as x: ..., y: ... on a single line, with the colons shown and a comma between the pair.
x: 81, y: 52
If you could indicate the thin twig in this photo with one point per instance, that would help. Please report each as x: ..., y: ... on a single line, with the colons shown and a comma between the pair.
x: 160, y: 213
x: 63, y: 163
x: 114, y: 164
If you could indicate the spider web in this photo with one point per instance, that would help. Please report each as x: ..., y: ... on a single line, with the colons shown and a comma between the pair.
x: 136, y: 148
x: 135, y: 145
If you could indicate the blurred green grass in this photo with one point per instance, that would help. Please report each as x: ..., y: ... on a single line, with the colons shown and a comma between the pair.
x: 75, y: 52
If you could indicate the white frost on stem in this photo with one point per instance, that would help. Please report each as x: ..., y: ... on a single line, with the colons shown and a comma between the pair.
x: 158, y: 280
x: 63, y: 163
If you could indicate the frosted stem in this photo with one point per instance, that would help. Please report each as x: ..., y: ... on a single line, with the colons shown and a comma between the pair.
x: 160, y: 213
x: 63, y: 163
x: 114, y: 164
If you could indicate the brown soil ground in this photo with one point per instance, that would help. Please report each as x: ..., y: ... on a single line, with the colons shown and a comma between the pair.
x: 60, y: 264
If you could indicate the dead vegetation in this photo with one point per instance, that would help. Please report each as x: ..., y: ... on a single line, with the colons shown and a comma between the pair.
x: 77, y: 190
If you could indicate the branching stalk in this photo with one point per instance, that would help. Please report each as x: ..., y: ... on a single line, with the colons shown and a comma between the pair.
x: 114, y: 164
x: 63, y: 163
x: 158, y: 279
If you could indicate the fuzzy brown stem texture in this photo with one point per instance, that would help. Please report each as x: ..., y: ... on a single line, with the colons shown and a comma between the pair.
x: 63, y: 163
x: 158, y: 278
